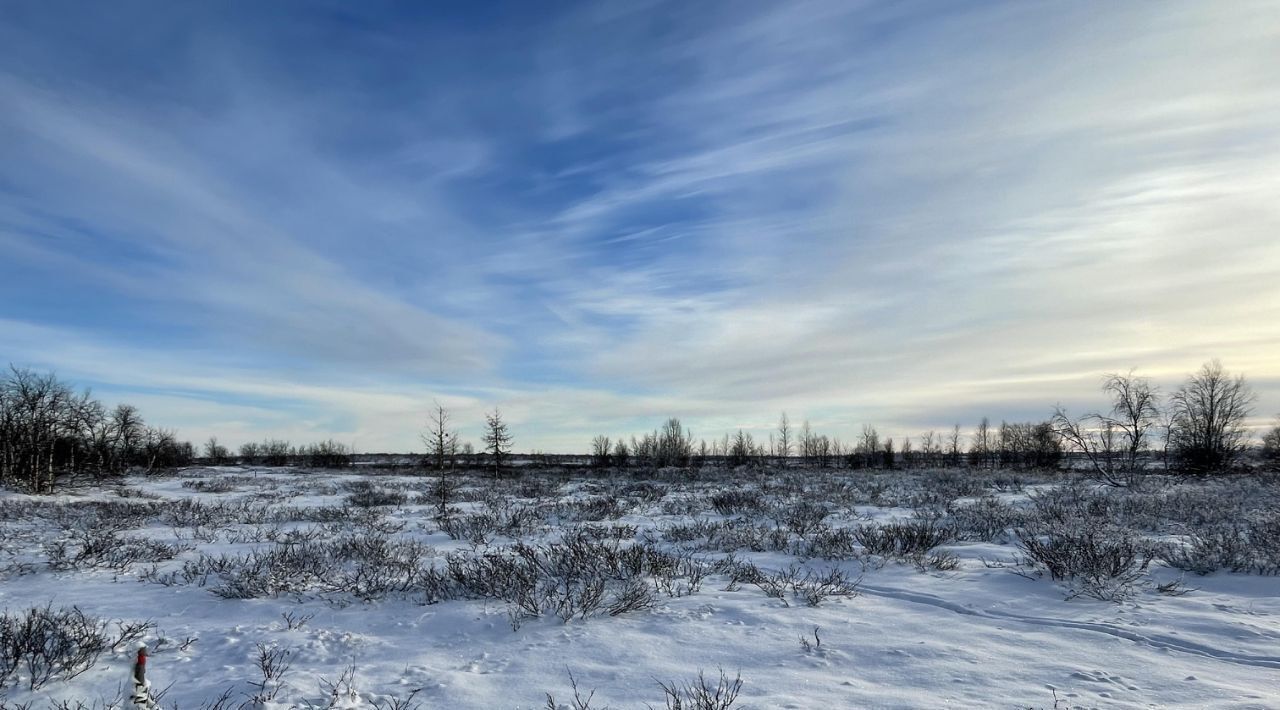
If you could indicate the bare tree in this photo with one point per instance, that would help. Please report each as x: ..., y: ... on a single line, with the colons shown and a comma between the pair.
x: 822, y: 450
x: 441, y: 440
x: 128, y: 429
x: 34, y: 420
x: 953, y: 446
x: 981, y: 450
x: 497, y: 438
x: 1116, y: 443
x: 1209, y: 412
x: 784, y: 443
x: 1135, y: 412
x: 1029, y: 445
x: 621, y: 453
x: 868, y: 447
x: 160, y: 448
x: 742, y: 449
x: 442, y: 445
x: 215, y: 452
x: 930, y: 448
x: 600, y: 451
x: 673, y: 445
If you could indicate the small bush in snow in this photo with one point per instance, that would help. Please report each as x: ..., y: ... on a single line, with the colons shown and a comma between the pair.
x: 1103, y: 563
x: 701, y: 694
x: 985, y: 520
x: 732, y: 502
x: 1252, y: 547
x: 366, y: 495
x: 802, y: 518
x: 904, y: 540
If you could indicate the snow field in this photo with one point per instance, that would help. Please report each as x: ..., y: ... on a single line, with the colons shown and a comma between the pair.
x: 969, y: 623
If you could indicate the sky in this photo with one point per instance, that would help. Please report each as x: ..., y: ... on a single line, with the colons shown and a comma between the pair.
x: 308, y: 220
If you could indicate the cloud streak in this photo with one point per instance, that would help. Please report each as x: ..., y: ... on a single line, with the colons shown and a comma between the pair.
x: 894, y: 213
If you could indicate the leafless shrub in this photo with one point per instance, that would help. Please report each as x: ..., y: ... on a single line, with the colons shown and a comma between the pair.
x: 164, y: 644
x: 590, y: 509
x: 829, y: 544
x: 136, y: 493
x: 365, y: 494
x: 575, y: 578
x: 805, y: 585
x: 801, y: 518
x: 814, y: 587
x: 96, y: 548
x: 1102, y: 563
x: 296, y: 620
x: 905, y: 540
x: 1174, y: 588
x: 641, y: 492
x: 683, y: 504
x: 1252, y: 547
x: 399, y: 703
x: 732, y: 502
x: 612, y: 531
x: 701, y: 694
x: 810, y: 646
x: 941, y: 561
x: 367, y: 565
x: 728, y: 535
x: 273, y: 664
x: 634, y: 595
x: 985, y: 519
x: 45, y: 644
x: 195, y: 513
x: 335, y: 693
x: 341, y: 693
x: 577, y: 702
x: 222, y: 702
x: 221, y: 484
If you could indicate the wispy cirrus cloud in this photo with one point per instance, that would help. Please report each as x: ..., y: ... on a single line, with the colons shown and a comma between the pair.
x: 898, y: 213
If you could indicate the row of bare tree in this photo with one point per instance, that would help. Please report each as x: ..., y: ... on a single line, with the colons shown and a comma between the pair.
x: 445, y: 445
x: 1012, y: 445
x: 1197, y: 429
x: 46, y: 428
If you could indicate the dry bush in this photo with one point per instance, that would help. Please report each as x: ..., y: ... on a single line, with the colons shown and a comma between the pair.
x: 700, y: 694
x: 1102, y: 563
x: 43, y: 644
x: 1251, y: 547
x: 907, y: 540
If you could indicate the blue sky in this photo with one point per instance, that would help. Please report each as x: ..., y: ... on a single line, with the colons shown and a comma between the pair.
x: 312, y: 219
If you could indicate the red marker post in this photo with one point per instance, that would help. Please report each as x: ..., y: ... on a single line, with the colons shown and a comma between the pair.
x: 141, y: 689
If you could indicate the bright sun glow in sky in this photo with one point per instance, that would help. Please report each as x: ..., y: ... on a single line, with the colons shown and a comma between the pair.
x: 306, y: 220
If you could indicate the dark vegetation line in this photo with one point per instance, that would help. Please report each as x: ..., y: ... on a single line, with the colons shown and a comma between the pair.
x: 48, y: 430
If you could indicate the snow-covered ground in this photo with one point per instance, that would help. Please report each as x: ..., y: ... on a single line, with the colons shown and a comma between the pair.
x: 961, y: 626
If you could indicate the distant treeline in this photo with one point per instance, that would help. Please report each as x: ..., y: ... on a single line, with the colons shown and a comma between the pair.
x: 48, y: 429
x: 1011, y: 445
x: 1198, y: 429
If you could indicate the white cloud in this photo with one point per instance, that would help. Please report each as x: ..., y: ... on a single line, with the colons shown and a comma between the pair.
x: 859, y: 213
